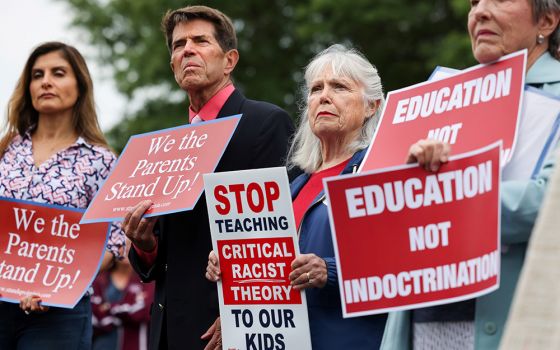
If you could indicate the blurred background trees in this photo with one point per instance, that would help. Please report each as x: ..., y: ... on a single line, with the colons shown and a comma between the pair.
x: 405, y: 39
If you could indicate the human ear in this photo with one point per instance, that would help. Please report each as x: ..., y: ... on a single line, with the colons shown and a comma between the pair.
x: 231, y: 59
x: 548, y: 23
x: 373, y: 106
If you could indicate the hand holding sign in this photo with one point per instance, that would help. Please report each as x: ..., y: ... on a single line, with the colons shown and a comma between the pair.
x: 47, y: 256
x: 308, y: 271
x: 214, y: 336
x: 139, y: 229
x: 164, y: 166
x: 429, y: 154
x: 254, y: 241
x: 213, y: 269
x: 452, y: 110
x: 32, y: 303
x: 433, y: 253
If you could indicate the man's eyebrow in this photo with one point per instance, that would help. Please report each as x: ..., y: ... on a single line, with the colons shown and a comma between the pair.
x: 200, y: 36
x: 178, y: 40
x: 193, y: 37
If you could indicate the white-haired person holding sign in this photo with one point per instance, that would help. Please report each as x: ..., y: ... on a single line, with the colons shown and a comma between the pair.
x: 344, y: 98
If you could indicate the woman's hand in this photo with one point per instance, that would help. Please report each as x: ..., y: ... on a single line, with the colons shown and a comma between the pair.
x: 308, y: 271
x: 430, y: 154
x: 213, y: 269
x: 32, y: 303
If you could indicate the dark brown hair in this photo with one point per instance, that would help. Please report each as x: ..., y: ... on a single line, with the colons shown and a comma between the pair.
x: 22, y: 115
x: 224, y: 32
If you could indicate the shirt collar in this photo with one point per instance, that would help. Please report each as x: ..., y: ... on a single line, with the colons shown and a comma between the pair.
x: 80, y: 141
x: 211, y: 109
x: 545, y: 70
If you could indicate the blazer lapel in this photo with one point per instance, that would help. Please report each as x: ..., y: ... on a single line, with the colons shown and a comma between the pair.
x: 233, y: 105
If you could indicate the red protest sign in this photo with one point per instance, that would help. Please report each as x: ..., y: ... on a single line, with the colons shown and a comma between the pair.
x: 468, y: 110
x: 166, y: 167
x: 407, y: 238
x: 44, y: 251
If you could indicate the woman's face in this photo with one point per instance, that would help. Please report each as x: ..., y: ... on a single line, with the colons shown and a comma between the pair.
x: 500, y: 27
x: 53, y: 87
x: 336, y: 106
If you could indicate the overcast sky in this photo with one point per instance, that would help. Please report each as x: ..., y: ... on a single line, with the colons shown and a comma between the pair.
x: 26, y: 23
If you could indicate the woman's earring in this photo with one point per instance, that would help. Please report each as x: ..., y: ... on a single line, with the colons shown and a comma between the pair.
x: 540, y: 39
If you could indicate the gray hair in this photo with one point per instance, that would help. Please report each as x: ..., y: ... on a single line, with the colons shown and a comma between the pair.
x: 541, y: 8
x: 305, y: 151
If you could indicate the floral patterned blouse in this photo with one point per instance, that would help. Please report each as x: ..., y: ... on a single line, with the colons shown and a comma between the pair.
x: 69, y: 178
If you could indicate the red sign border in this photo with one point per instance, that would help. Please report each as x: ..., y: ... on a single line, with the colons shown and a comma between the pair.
x: 453, y: 76
x: 63, y: 208
x: 186, y: 126
x: 347, y: 314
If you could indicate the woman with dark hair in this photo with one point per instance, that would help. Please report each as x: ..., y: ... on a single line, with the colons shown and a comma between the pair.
x: 496, y: 28
x: 53, y: 152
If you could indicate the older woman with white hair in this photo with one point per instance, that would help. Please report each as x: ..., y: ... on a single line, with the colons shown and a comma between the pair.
x: 344, y: 96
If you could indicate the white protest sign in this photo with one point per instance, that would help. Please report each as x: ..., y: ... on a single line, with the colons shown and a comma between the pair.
x: 254, y: 236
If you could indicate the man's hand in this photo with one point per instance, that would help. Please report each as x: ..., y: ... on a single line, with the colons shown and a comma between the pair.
x: 214, y: 333
x: 213, y: 268
x: 138, y: 229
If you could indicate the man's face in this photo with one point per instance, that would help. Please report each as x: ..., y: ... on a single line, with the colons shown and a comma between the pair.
x: 197, y: 60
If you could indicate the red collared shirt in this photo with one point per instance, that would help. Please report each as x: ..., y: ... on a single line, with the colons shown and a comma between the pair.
x: 211, y: 109
x: 208, y: 112
x: 311, y: 190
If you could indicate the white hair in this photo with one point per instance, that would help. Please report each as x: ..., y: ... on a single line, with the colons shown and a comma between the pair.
x: 305, y: 151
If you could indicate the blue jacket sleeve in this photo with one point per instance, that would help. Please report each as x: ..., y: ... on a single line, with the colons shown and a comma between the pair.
x: 332, y: 274
x: 521, y: 201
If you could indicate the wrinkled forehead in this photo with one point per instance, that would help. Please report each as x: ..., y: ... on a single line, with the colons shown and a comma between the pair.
x: 193, y: 27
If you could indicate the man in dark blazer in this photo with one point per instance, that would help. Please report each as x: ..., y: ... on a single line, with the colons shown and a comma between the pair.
x: 173, y: 250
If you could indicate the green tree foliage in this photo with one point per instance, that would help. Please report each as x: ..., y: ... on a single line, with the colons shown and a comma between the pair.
x: 405, y: 39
